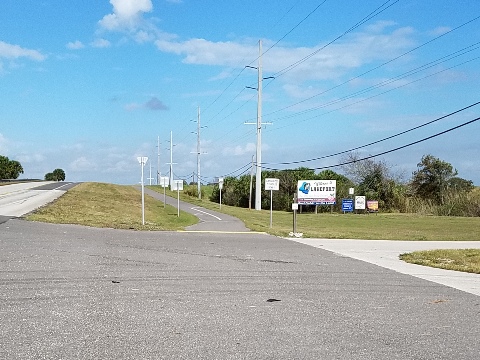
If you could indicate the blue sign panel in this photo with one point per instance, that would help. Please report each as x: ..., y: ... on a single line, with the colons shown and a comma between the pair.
x: 347, y: 205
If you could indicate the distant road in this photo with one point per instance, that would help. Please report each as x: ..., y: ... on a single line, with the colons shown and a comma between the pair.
x: 210, y: 221
x: 19, y: 199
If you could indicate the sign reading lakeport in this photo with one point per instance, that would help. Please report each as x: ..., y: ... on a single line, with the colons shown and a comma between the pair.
x: 317, y: 192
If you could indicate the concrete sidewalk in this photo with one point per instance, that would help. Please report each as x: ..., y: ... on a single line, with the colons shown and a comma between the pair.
x: 385, y: 253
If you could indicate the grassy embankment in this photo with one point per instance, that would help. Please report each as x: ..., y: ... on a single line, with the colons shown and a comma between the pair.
x: 112, y: 206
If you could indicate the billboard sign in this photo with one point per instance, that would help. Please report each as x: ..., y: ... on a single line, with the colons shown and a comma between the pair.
x: 360, y: 202
x: 317, y: 192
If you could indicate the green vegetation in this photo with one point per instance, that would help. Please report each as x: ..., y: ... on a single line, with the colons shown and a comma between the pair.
x: 466, y: 260
x: 434, y: 188
x: 55, y: 175
x: 111, y: 206
x: 387, y: 226
x: 9, y: 169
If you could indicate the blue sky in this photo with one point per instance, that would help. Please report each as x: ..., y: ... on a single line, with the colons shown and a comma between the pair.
x: 89, y: 85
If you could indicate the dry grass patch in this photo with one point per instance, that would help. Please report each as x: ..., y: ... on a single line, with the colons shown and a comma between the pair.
x: 112, y: 206
x: 466, y: 260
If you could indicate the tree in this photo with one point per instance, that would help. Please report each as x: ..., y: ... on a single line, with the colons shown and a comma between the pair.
x: 59, y: 174
x: 433, y: 179
x: 374, y: 179
x: 9, y: 169
x: 56, y: 175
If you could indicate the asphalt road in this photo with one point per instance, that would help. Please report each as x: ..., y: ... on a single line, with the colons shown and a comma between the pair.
x: 19, y: 199
x: 209, y: 220
x: 72, y: 292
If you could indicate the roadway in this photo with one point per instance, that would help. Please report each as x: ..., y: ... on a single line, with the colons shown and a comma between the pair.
x: 73, y: 292
x: 19, y: 199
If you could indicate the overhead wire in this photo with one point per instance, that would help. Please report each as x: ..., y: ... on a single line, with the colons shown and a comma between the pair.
x: 376, y: 67
x: 391, y: 150
x: 377, y: 141
x: 370, y: 97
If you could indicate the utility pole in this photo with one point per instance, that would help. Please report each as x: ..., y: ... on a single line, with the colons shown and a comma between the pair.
x: 258, y: 175
x: 159, y: 173
x: 150, y: 178
x: 198, y: 154
x: 171, y: 160
x: 258, y: 178
x: 251, y: 185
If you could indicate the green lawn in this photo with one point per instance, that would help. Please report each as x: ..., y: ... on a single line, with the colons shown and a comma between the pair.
x: 350, y: 226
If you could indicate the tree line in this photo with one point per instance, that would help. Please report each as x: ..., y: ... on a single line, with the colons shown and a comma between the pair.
x: 434, y: 188
x: 11, y: 170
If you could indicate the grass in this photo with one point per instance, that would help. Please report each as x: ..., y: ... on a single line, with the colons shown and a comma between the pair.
x: 350, y: 226
x: 466, y: 260
x: 111, y: 206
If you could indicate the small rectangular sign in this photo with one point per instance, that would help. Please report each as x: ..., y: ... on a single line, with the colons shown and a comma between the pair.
x: 360, y: 202
x: 164, y: 181
x: 177, y: 185
x: 347, y: 205
x: 372, y: 205
x: 272, y: 184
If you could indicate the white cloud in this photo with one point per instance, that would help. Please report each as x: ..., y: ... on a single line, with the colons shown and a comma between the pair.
x: 82, y: 164
x: 239, y: 150
x: 10, y: 51
x: 75, y: 45
x: 100, y: 43
x: 3, y: 143
x: 440, y: 30
x: 126, y: 14
x: 377, y: 42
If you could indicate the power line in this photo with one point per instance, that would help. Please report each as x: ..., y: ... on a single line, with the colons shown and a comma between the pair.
x: 377, y: 141
x: 391, y: 150
x: 377, y: 67
x: 368, y: 98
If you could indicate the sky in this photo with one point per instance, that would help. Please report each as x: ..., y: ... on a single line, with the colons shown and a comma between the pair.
x: 90, y: 85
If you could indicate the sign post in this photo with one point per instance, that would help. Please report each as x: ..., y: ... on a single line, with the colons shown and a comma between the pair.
x: 178, y: 185
x: 143, y: 160
x: 220, y: 187
x: 271, y: 184
x: 164, y: 182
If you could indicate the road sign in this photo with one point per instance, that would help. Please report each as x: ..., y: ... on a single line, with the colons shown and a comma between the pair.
x: 177, y: 185
x: 272, y: 184
x: 142, y: 160
x: 220, y: 183
x: 164, y: 181
x: 347, y: 205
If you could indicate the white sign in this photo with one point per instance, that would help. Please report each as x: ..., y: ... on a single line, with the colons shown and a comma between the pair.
x: 220, y: 183
x: 317, y: 192
x: 351, y: 191
x: 164, y: 181
x: 177, y: 185
x: 294, y: 206
x: 142, y: 160
x: 360, y: 202
x: 272, y: 184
